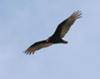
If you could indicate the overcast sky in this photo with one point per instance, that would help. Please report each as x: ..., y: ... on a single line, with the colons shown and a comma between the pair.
x: 23, y: 22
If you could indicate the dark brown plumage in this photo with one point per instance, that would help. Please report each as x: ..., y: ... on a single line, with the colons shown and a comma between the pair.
x: 60, y: 32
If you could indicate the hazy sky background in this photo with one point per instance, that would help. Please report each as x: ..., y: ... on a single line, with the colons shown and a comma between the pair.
x: 23, y: 22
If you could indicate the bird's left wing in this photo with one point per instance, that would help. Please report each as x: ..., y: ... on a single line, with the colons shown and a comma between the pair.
x: 36, y: 46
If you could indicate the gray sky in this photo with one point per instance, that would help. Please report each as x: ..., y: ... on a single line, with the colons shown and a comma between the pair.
x: 23, y: 22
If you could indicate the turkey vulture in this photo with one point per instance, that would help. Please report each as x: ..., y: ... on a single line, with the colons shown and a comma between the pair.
x: 60, y: 32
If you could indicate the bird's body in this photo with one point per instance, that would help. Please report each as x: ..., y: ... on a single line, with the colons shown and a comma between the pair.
x: 58, y: 35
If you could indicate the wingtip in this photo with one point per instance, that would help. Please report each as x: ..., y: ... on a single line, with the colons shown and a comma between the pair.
x: 28, y: 52
x: 77, y: 14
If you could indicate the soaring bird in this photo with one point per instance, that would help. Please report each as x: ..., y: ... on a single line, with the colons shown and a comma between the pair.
x: 58, y: 35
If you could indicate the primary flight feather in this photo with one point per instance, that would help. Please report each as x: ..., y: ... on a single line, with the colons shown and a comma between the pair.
x: 60, y: 32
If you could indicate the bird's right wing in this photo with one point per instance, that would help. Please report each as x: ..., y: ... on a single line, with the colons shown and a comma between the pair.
x: 37, y: 46
x: 64, y: 26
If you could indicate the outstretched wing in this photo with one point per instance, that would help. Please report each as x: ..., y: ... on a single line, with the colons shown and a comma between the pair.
x: 37, y: 46
x: 63, y: 27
